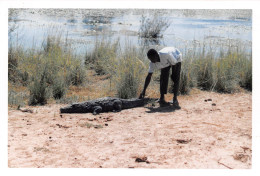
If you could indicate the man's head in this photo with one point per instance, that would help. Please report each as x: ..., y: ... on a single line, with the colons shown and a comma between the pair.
x: 153, y: 56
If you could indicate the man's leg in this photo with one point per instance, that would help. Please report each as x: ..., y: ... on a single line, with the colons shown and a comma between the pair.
x: 164, y: 79
x: 176, y: 73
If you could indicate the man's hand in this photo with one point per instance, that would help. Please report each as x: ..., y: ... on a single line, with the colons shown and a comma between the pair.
x: 142, y: 95
x: 147, y: 81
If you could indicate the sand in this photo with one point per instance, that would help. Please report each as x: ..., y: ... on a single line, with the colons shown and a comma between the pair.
x: 211, y: 130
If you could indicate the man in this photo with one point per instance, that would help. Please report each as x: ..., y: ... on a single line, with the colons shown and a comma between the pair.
x: 165, y: 59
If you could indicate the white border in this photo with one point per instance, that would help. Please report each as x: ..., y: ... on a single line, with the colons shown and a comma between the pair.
x: 4, y: 5
x: 141, y: 4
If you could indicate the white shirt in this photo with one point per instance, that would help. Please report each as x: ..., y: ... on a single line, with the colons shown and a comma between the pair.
x: 168, y: 56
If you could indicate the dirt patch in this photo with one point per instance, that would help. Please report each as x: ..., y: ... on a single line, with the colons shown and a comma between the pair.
x: 199, y: 135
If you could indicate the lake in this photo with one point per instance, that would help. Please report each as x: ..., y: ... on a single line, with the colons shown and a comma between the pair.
x: 82, y: 27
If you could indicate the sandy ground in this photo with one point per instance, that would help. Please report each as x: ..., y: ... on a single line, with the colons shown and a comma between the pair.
x: 203, y: 134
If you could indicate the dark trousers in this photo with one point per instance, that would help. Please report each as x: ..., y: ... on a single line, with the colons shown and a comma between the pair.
x: 164, y: 78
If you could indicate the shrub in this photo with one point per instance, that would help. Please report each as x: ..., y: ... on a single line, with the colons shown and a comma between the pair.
x: 38, y: 90
x: 245, y: 72
x: 129, y: 73
x: 62, y: 69
x: 153, y: 27
x: 76, y: 74
x: 205, y: 73
x: 187, y: 79
x: 227, y: 75
x: 246, y: 82
x: 59, y: 88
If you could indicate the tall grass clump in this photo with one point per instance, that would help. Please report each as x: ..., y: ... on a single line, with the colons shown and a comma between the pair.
x: 188, y: 77
x: 99, y: 58
x: 124, y: 66
x: 59, y: 89
x: 153, y: 27
x: 205, y: 73
x: 245, y: 72
x: 233, y: 71
x: 38, y: 89
x: 48, y: 71
x: 226, y: 75
x: 128, y: 77
x: 226, y: 72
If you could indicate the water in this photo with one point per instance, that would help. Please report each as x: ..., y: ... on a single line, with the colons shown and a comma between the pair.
x: 33, y: 28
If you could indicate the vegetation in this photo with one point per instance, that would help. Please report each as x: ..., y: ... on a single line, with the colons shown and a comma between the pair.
x: 50, y: 71
x: 225, y: 73
x: 153, y: 27
x: 125, y: 67
x: 99, y: 59
x: 129, y: 73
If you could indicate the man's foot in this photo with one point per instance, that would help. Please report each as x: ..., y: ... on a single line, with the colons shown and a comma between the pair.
x: 176, y: 104
x: 162, y: 102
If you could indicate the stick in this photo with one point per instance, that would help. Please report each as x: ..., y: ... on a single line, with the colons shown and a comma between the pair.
x: 224, y: 164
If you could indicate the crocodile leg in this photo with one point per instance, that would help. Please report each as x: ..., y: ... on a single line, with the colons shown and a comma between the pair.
x: 97, y: 110
x: 117, y: 106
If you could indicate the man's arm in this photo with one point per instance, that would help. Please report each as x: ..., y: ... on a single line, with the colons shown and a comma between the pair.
x: 147, y: 81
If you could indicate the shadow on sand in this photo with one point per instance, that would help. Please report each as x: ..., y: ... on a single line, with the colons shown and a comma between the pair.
x: 168, y: 108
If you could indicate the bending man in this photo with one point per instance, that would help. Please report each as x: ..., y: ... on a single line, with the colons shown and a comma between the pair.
x: 166, y: 59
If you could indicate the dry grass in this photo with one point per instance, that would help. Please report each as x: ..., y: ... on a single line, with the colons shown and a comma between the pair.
x: 97, y: 87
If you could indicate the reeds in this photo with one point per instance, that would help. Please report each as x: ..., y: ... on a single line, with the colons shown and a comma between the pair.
x: 226, y: 72
x: 100, y: 57
x: 47, y: 72
x: 50, y: 71
x: 130, y: 71
x: 124, y: 66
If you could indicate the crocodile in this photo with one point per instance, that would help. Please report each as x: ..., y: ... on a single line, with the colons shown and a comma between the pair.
x: 105, y: 104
